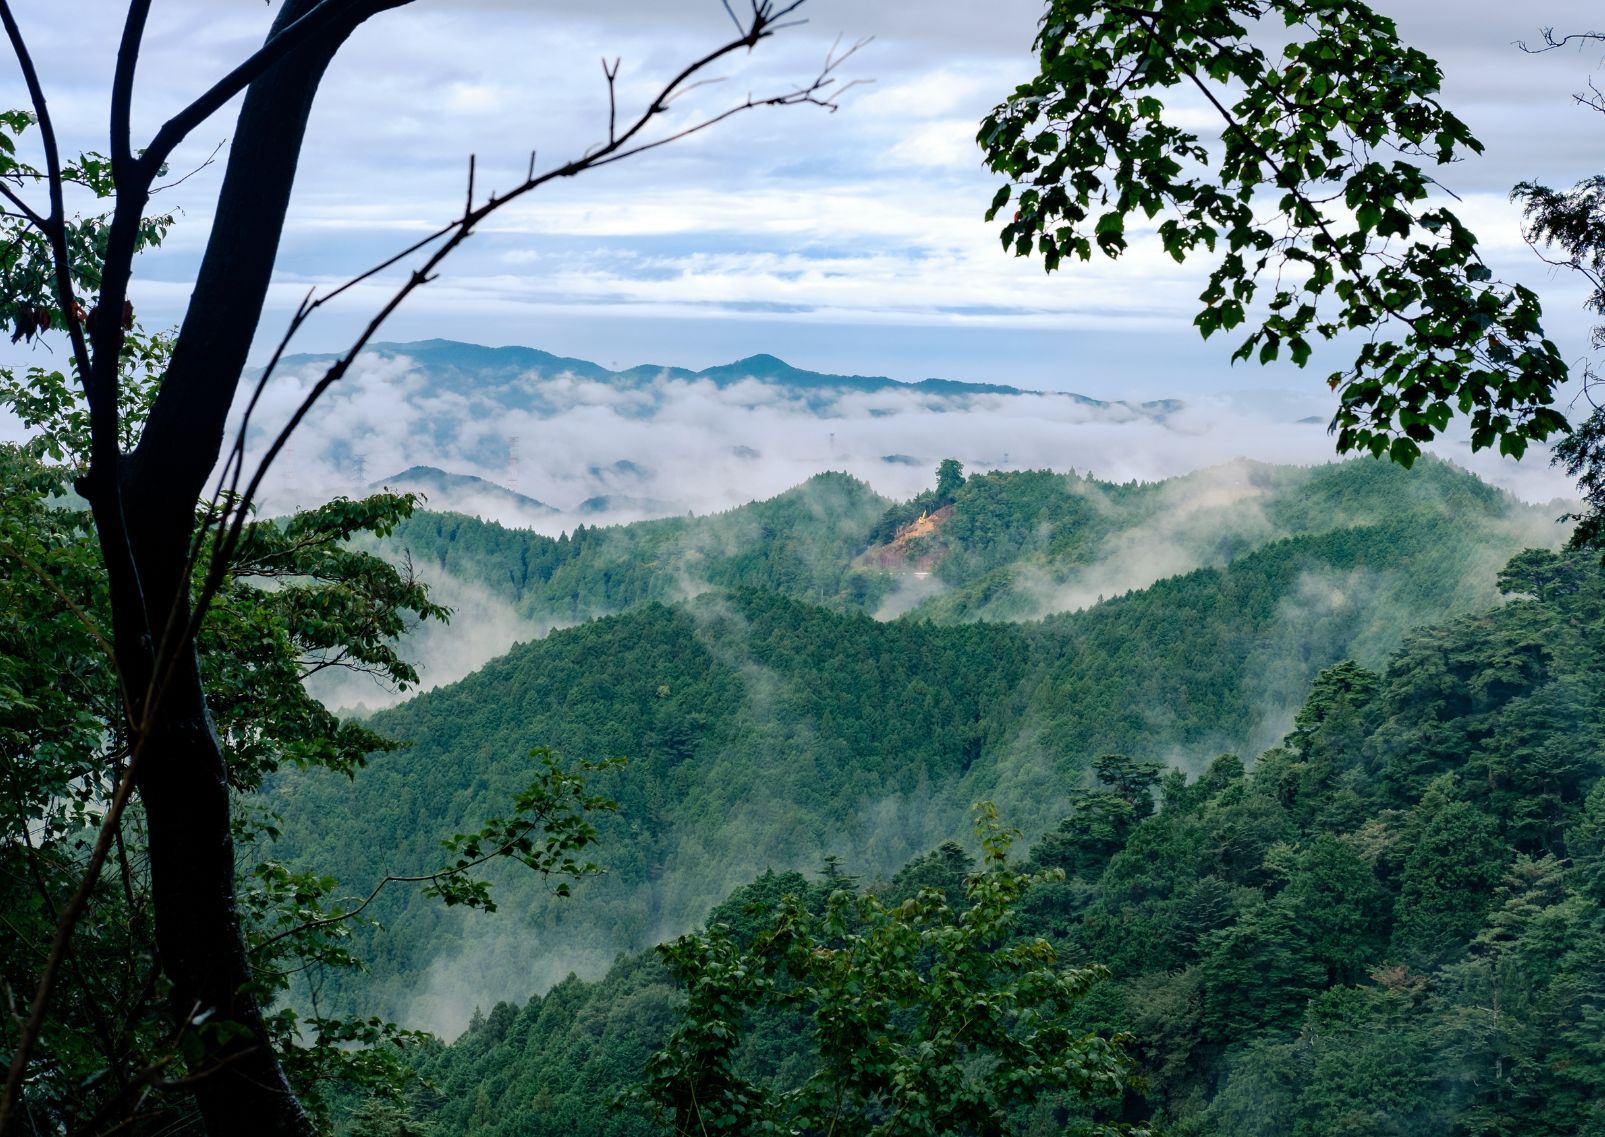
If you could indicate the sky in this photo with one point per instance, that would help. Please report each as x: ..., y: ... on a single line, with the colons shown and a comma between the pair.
x: 843, y: 242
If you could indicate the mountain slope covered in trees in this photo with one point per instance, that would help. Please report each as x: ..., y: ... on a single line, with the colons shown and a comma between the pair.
x: 770, y: 731
x: 1010, y: 545
x: 1390, y: 923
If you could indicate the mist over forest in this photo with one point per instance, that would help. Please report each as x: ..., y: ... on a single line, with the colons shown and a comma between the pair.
x: 1214, y: 709
x: 1051, y: 616
x: 815, y: 661
x: 1064, y: 600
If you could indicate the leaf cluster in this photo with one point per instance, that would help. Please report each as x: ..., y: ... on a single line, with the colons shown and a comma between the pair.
x: 1569, y: 228
x: 1315, y: 198
x: 109, y: 1051
x: 924, y: 1019
x: 551, y: 823
x: 29, y: 298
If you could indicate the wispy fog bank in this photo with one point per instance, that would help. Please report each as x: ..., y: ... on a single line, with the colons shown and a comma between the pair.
x: 482, y: 626
x: 1197, y: 521
x: 601, y: 452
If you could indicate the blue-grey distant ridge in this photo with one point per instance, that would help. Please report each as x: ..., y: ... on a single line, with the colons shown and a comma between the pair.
x: 504, y: 374
x: 460, y: 492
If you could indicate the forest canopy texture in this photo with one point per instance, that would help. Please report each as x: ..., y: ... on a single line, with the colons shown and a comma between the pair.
x: 1391, y: 922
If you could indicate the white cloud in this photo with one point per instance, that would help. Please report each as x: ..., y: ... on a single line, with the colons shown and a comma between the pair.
x: 696, y: 446
x: 867, y: 219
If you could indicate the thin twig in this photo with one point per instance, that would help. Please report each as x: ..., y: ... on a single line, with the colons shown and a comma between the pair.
x: 425, y: 878
x: 612, y: 74
x: 1551, y: 41
x: 210, y: 158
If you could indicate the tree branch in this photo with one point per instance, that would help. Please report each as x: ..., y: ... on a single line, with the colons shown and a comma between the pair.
x: 65, y: 925
x: 1276, y: 168
x: 122, y: 91
x: 28, y: 212
x: 373, y: 894
x: 303, y: 30
x: 1552, y: 41
x: 618, y: 148
x: 72, y: 606
x: 55, y: 226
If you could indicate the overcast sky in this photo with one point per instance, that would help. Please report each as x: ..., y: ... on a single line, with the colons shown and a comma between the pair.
x: 849, y: 242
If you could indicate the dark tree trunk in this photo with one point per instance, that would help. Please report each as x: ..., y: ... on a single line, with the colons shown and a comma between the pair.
x: 182, y: 776
x: 185, y: 790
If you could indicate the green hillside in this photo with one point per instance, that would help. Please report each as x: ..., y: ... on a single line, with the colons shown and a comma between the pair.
x: 800, y: 544
x: 1015, y: 545
x: 1391, y: 923
x: 768, y: 732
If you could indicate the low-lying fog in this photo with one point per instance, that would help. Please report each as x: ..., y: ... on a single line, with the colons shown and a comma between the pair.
x: 602, y: 453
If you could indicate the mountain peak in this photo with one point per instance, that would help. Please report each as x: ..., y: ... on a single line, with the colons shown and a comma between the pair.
x: 762, y: 362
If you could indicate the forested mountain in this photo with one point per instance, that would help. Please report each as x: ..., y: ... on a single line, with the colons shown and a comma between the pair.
x: 801, y: 544
x: 1014, y: 544
x: 771, y: 730
x: 1312, y: 823
x: 464, y: 493
x: 1392, y: 922
x: 997, y: 546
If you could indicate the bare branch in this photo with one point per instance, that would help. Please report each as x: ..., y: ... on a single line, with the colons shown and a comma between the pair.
x: 1552, y: 41
x: 612, y: 74
x: 210, y: 158
x: 1595, y: 101
x: 619, y: 147
x: 229, y: 477
x: 122, y: 92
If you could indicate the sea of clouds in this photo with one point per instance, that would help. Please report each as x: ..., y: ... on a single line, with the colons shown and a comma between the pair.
x: 676, y: 445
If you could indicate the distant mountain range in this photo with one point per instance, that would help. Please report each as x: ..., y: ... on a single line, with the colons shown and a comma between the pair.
x: 529, y: 438
x: 516, y: 375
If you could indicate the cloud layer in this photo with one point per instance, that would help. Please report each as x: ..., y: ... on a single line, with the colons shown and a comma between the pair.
x: 673, y: 444
x: 794, y: 229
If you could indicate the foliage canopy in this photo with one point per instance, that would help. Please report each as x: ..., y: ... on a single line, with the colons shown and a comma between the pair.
x: 1316, y: 199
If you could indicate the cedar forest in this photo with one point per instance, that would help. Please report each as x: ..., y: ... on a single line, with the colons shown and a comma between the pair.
x: 831, y: 813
